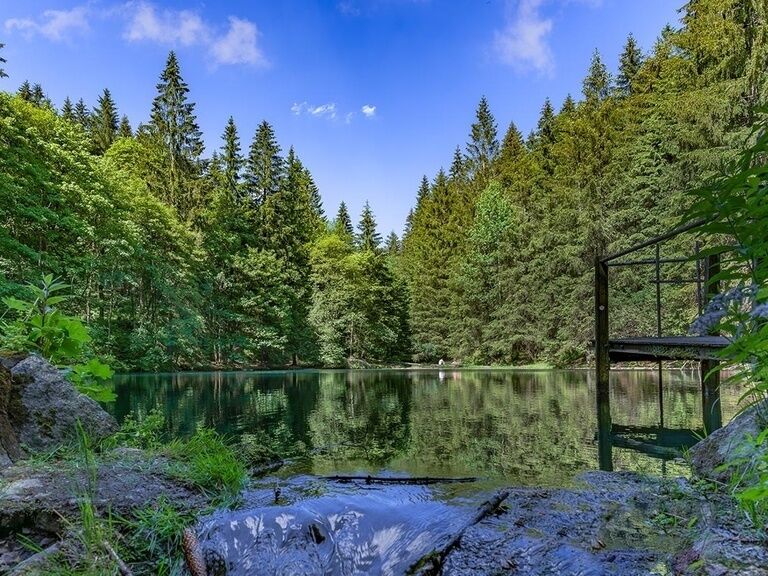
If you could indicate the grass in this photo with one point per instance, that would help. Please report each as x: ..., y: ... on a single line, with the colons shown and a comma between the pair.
x: 208, y: 462
x: 149, y: 541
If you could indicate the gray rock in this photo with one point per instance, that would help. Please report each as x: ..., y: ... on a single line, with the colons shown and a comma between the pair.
x: 730, y: 443
x: 44, y: 407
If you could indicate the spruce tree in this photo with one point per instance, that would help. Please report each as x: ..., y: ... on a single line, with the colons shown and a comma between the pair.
x: 544, y: 137
x: 173, y: 123
x: 68, y: 110
x: 3, y: 73
x: 125, y: 130
x: 368, y: 237
x: 569, y: 105
x: 458, y: 171
x: 104, y: 123
x: 264, y: 165
x: 483, y: 145
x: 343, y: 223
x: 25, y: 91
x: 512, y: 150
x: 82, y: 116
x: 597, y: 84
x: 232, y: 159
x: 38, y: 96
x: 393, y: 244
x: 423, y: 192
x: 629, y: 64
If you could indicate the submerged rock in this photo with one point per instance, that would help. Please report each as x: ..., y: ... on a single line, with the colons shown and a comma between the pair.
x: 44, y: 406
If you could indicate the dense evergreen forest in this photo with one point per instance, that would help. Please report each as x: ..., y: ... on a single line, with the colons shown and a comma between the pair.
x: 181, y: 261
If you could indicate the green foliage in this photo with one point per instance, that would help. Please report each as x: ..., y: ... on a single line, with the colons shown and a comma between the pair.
x: 146, y: 433
x: 207, y: 461
x: 735, y: 209
x: 39, y: 326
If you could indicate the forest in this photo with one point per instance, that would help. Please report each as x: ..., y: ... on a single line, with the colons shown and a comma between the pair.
x: 181, y: 261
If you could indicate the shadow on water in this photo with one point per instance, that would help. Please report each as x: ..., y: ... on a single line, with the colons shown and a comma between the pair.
x: 511, y: 427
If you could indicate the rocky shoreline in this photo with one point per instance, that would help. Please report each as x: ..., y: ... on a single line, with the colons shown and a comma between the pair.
x: 609, y: 523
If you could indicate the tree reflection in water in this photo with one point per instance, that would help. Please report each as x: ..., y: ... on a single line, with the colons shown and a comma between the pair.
x: 527, y: 428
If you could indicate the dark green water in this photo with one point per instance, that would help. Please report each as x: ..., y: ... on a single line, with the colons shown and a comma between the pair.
x: 523, y: 428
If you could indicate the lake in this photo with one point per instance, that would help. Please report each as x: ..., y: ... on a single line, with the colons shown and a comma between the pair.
x: 534, y: 428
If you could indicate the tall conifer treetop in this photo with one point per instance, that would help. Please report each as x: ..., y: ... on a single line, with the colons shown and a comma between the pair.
x: 104, y: 123
x: 483, y: 145
x: 629, y: 65
x: 232, y: 159
x: 264, y: 165
x: 68, y: 110
x: 343, y: 223
x: 597, y: 84
x: 3, y: 73
x: 368, y: 238
x: 173, y: 115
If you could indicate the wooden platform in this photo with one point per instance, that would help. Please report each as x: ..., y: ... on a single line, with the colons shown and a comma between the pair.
x: 667, y: 348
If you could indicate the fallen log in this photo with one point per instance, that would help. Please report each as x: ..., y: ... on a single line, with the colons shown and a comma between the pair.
x: 416, y: 480
x: 431, y: 564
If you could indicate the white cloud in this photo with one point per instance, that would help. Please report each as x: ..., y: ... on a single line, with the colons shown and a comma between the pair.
x: 239, y: 45
x: 168, y: 27
x: 320, y: 111
x: 524, y: 41
x: 55, y: 25
x: 368, y: 111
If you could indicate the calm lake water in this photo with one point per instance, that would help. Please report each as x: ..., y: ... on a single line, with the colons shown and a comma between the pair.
x: 515, y: 427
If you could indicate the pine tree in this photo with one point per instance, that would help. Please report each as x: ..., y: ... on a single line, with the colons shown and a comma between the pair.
x: 173, y: 123
x: 68, y: 110
x: 483, y: 145
x: 264, y: 165
x: 629, y: 64
x: 25, y: 91
x: 3, y: 73
x: 104, y: 123
x: 342, y: 225
x: 232, y: 159
x: 597, y: 84
x: 368, y: 237
x: 125, y: 130
x: 82, y: 116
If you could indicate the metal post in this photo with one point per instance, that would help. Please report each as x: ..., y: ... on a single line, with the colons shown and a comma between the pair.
x: 710, y: 373
x: 602, y: 366
x: 658, y: 331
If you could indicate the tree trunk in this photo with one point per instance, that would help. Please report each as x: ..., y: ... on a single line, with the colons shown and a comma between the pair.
x: 10, y: 451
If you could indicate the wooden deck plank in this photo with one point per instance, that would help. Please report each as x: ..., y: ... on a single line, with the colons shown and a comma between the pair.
x: 666, y: 348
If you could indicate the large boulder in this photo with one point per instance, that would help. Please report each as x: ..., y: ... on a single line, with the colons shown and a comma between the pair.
x: 44, y: 406
x: 731, y: 443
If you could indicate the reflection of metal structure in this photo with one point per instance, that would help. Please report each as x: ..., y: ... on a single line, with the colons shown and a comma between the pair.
x: 658, y: 348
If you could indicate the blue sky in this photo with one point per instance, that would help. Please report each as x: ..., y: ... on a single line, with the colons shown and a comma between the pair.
x: 371, y: 93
